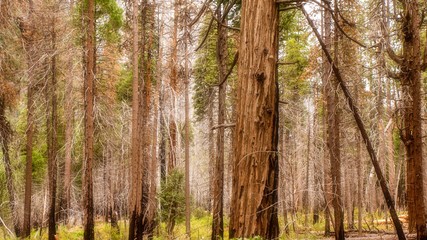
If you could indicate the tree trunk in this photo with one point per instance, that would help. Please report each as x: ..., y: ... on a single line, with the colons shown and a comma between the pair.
x: 89, y: 88
x: 52, y: 139
x: 218, y: 174
x: 154, y: 157
x: 187, y: 122
x: 69, y: 126
x: 173, y: 85
x: 255, y: 177
x: 135, y: 196
x: 28, y: 43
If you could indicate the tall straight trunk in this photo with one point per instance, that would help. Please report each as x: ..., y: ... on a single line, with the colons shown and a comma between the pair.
x: 173, y: 85
x: 218, y: 174
x: 152, y: 206
x: 255, y: 176
x: 307, y: 171
x: 89, y: 88
x: 211, y: 150
x: 135, y: 196
x: 333, y: 143
x: 282, y: 169
x: 412, y: 130
x: 359, y: 170
x: 52, y: 139
x: 187, y: 122
x: 69, y: 125
x: 145, y: 110
x: 28, y: 42
x: 326, y: 34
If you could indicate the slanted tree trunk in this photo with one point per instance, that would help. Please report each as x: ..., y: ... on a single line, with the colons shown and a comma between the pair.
x: 255, y: 176
x: 89, y: 88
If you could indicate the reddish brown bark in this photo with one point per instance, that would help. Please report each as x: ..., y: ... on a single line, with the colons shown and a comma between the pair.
x: 255, y: 176
x: 89, y: 88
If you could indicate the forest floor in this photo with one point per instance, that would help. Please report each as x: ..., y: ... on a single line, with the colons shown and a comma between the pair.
x: 377, y: 229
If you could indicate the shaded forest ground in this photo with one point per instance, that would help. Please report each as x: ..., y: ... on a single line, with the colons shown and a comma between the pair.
x: 374, y: 227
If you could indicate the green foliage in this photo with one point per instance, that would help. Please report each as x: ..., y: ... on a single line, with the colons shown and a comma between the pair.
x: 109, y: 19
x: 124, y: 86
x: 205, y: 73
x: 295, y: 54
x: 172, y: 197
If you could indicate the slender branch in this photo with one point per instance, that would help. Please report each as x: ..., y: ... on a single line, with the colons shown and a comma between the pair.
x: 328, y: 7
x: 200, y: 13
x: 236, y: 57
x: 220, y: 22
x: 206, y: 35
x: 362, y: 129
x: 225, y: 125
x: 227, y: 9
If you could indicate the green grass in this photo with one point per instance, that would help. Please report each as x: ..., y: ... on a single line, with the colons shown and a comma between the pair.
x: 201, y: 228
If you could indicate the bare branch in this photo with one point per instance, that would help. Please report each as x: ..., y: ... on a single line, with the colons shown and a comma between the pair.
x: 225, y: 125
x: 206, y: 35
x: 328, y: 7
x: 200, y: 13
x: 236, y: 57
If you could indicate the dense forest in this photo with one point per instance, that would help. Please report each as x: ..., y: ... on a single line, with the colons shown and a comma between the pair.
x: 220, y: 119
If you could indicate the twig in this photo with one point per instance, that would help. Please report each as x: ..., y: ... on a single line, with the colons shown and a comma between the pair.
x: 4, y: 224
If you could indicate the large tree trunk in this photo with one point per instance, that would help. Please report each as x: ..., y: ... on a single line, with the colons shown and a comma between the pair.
x: 135, y: 196
x: 412, y: 132
x: 218, y: 174
x: 255, y: 176
x: 89, y: 88
x: 152, y: 204
x: 144, y: 113
x: 52, y: 139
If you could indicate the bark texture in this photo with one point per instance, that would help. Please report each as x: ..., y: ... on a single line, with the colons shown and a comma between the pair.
x: 412, y: 130
x: 89, y: 88
x: 255, y: 176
